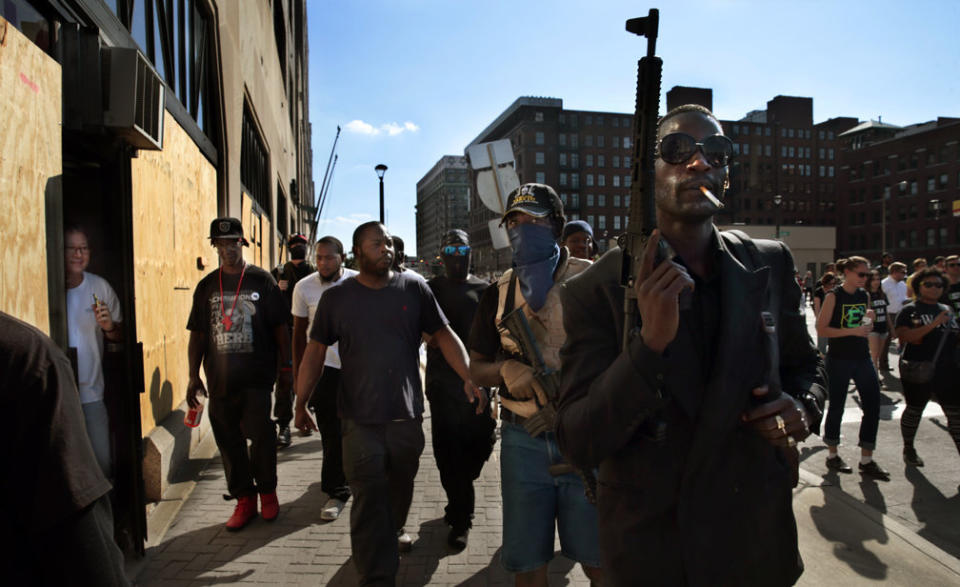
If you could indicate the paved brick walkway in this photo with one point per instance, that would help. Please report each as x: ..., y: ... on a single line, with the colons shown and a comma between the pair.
x: 300, y: 549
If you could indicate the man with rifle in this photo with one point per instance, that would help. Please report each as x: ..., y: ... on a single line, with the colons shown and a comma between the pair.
x: 692, y: 394
x: 515, y: 344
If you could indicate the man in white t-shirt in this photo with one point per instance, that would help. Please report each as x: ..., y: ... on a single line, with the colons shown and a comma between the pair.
x: 306, y: 296
x: 895, y: 286
x: 93, y: 313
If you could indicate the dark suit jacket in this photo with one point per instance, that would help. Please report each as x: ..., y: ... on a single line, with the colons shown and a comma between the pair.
x: 711, y: 503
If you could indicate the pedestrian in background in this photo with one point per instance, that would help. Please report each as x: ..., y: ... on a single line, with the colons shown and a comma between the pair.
x: 93, y: 314
x: 951, y: 295
x: 462, y: 438
x: 924, y: 326
x: 881, y: 326
x: 846, y: 320
x: 918, y: 264
x: 287, y: 276
x: 895, y: 287
x: 577, y: 236
x: 827, y: 284
x: 238, y: 332
x: 306, y: 297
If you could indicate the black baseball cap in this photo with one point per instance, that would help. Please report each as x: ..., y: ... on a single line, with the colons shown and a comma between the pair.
x: 227, y: 227
x: 455, y: 236
x: 296, y: 239
x: 536, y: 199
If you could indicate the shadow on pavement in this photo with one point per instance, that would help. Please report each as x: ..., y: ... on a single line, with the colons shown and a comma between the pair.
x: 939, y: 514
x: 230, y: 546
x: 850, y: 539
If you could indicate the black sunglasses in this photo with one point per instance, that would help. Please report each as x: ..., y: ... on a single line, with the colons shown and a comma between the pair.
x: 461, y: 250
x: 679, y: 147
x: 932, y: 284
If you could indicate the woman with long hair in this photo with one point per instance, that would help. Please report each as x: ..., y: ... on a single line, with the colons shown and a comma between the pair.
x: 846, y: 319
x: 921, y: 326
x: 881, y: 329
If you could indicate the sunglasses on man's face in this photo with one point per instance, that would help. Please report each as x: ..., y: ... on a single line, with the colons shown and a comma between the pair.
x: 932, y: 284
x: 679, y: 147
x: 862, y: 274
x: 461, y: 250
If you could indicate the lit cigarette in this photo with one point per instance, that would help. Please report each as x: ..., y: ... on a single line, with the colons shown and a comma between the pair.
x: 711, y: 197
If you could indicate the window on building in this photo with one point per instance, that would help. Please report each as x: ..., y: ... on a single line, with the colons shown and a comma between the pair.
x: 615, y: 142
x: 914, y: 188
x: 564, y: 198
x: 254, y: 165
x: 767, y: 150
x: 601, y: 180
x: 590, y: 200
x: 830, y: 171
x: 600, y: 140
x: 563, y: 159
x: 279, y: 31
x: 616, y: 161
x: 626, y: 161
x: 538, y: 117
x: 601, y: 200
x: 783, y: 150
x: 539, y: 158
x: 589, y: 120
x: 589, y: 159
x: 541, y: 177
x: 626, y: 142
x: 766, y: 131
x: 539, y: 138
x: 746, y: 130
x: 587, y: 140
x: 575, y: 180
x: 591, y: 220
x: 602, y: 221
x: 616, y: 200
x: 614, y: 122
x: 599, y: 120
x: 626, y: 181
x: 563, y: 179
x: 626, y: 201
x: 931, y: 184
x: 562, y: 140
x: 616, y: 222
x: 736, y: 148
x: 574, y: 160
x: 601, y: 161
x: 616, y: 181
x: 589, y: 180
x: 942, y: 184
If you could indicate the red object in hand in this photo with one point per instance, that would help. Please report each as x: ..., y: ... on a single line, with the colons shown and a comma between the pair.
x: 192, y: 419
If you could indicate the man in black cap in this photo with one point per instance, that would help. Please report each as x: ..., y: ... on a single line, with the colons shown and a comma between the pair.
x: 534, y: 500
x: 287, y: 276
x: 577, y: 236
x: 462, y: 439
x: 238, y: 330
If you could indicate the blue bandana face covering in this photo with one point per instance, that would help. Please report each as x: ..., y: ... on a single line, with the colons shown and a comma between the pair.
x: 535, y: 258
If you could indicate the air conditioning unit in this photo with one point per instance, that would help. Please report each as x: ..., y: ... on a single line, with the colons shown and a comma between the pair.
x: 133, y: 97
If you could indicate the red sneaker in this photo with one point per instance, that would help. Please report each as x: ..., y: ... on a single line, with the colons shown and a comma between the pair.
x: 245, y: 511
x: 269, y: 506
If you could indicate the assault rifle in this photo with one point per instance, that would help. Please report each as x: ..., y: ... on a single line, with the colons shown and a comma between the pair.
x: 642, y: 214
x: 516, y: 326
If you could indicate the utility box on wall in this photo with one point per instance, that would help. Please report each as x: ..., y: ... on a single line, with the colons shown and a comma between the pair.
x: 133, y: 98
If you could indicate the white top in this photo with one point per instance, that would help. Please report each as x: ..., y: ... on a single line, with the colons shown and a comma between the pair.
x: 306, y: 298
x: 85, y: 334
x: 896, y: 293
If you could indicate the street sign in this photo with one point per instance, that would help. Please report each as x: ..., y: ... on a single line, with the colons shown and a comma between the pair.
x: 494, y: 167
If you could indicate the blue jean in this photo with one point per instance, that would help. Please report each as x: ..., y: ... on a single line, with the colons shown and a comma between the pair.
x: 839, y: 373
x: 534, y: 502
x: 98, y: 430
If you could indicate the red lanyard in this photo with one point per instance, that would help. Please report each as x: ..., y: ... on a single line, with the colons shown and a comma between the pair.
x: 228, y: 320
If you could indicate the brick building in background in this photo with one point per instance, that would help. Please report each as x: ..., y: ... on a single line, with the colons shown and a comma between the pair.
x: 442, y: 204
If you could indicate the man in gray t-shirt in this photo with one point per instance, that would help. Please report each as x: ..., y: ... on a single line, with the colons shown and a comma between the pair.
x: 378, y: 318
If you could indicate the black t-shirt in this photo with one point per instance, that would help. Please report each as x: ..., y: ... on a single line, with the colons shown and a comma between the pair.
x: 878, y: 302
x: 916, y: 314
x: 484, y: 336
x: 819, y: 294
x: 849, y: 312
x: 51, y: 470
x: 292, y: 273
x: 245, y: 354
x: 459, y: 303
x: 379, y: 331
x: 951, y: 297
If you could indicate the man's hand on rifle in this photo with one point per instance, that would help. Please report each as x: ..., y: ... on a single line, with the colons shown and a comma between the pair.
x: 658, y: 293
x: 520, y: 381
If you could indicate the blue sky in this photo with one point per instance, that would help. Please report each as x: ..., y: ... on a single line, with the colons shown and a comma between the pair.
x: 413, y: 80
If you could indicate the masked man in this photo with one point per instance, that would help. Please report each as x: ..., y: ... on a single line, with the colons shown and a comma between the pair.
x: 534, y: 500
x: 462, y: 439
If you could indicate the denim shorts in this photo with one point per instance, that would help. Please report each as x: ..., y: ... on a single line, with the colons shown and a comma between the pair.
x: 534, y: 502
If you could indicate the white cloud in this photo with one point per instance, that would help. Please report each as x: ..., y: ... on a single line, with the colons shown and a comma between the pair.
x: 351, y: 220
x: 391, y: 128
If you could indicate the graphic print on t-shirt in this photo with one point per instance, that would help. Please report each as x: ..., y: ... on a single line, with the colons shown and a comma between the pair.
x: 239, y: 337
x: 851, y: 315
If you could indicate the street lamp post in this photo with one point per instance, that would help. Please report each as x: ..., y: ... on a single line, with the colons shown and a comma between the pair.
x: 381, y: 169
x: 778, y: 202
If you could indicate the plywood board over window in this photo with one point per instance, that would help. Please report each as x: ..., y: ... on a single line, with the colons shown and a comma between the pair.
x: 30, y: 158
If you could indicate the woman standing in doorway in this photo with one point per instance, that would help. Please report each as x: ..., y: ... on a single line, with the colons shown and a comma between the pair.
x: 847, y: 320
